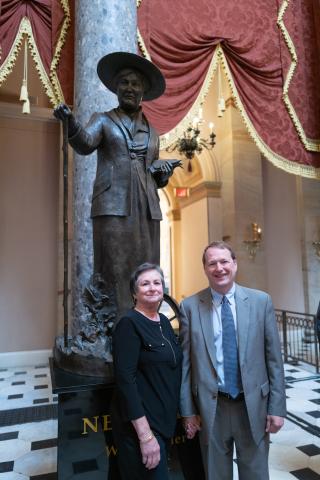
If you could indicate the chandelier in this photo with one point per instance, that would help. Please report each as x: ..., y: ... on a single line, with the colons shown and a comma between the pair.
x: 191, y: 142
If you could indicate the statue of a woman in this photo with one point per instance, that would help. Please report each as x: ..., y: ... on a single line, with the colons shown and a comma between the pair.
x: 125, y: 204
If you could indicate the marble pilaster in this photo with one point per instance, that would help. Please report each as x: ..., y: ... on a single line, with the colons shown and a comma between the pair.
x: 242, y: 195
x: 310, y: 216
x: 101, y: 27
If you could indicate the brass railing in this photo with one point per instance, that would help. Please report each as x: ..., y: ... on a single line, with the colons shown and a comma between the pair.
x: 298, y: 337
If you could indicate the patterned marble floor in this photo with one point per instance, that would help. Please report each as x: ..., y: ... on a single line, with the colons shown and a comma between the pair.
x: 28, y: 449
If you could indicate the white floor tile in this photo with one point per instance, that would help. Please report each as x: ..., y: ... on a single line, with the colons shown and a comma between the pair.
x: 37, y: 462
x: 286, y: 459
x: 280, y: 475
x: 13, y: 476
x: 36, y: 431
x: 314, y: 463
x: 13, y: 449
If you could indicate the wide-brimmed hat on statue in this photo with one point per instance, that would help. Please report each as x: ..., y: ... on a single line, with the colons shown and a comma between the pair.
x: 110, y: 65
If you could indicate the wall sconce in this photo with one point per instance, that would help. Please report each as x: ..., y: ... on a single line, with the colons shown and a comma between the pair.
x: 317, y: 248
x: 253, y: 244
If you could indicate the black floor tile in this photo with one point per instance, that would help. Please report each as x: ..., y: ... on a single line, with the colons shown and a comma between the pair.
x: 9, y: 436
x: 40, y: 400
x: 84, y: 466
x: 3, y: 369
x: 315, y: 400
x: 317, y: 390
x: 293, y: 370
x: 72, y: 411
x: 314, y: 413
x: 39, y: 387
x: 18, y: 383
x: 45, y: 476
x: 310, y: 449
x: 39, y: 413
x: 40, y: 375
x: 17, y: 395
x: 40, y: 444
x: 20, y: 373
x: 290, y: 378
x: 1, y: 379
x: 6, y: 467
x: 288, y: 386
x: 41, y: 366
x: 75, y: 434
x: 305, y: 474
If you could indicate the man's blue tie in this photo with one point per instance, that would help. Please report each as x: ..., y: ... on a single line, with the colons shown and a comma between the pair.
x: 232, y: 376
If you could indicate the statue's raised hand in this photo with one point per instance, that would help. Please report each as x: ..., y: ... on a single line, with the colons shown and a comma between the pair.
x: 62, y: 112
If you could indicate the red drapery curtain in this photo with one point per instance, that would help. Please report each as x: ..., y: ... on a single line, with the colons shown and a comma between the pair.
x: 271, y: 53
x: 49, y: 32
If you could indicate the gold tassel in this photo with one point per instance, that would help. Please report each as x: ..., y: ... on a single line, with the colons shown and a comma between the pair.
x: 26, y: 106
x: 222, y: 104
x: 24, y: 95
x: 24, y: 91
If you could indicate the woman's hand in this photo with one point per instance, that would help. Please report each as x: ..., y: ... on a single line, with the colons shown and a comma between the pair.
x: 149, y: 445
x: 191, y: 425
x: 150, y: 453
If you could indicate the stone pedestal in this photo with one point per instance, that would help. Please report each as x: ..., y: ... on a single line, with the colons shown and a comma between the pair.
x: 85, y: 444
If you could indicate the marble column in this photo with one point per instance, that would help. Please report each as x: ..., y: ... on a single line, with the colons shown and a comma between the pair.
x: 101, y: 27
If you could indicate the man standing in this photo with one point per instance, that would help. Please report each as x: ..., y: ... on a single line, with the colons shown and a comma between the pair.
x: 232, y: 376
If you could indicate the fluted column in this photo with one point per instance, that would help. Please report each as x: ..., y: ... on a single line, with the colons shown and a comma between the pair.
x: 101, y: 27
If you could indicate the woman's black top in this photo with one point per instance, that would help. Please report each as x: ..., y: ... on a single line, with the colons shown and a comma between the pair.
x: 147, y: 362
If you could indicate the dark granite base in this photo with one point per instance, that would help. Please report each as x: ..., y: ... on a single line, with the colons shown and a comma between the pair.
x: 85, y: 444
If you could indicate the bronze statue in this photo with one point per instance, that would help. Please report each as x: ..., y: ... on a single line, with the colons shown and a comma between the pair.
x: 125, y: 204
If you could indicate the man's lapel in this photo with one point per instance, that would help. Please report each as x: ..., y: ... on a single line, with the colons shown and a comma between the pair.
x: 205, y: 311
x: 243, y: 320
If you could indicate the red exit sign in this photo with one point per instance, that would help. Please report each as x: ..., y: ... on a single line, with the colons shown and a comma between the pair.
x: 181, y: 192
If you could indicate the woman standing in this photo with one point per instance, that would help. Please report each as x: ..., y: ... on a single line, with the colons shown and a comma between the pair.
x: 147, y: 362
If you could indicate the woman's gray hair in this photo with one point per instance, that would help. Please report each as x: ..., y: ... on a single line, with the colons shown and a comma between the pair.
x: 141, y: 269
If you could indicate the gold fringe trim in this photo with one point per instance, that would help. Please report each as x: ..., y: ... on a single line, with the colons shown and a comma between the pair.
x: 58, y: 50
x: 310, y: 144
x: 7, y: 67
x: 142, y: 45
x: 277, y: 160
x: 177, y: 132
x: 50, y: 83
